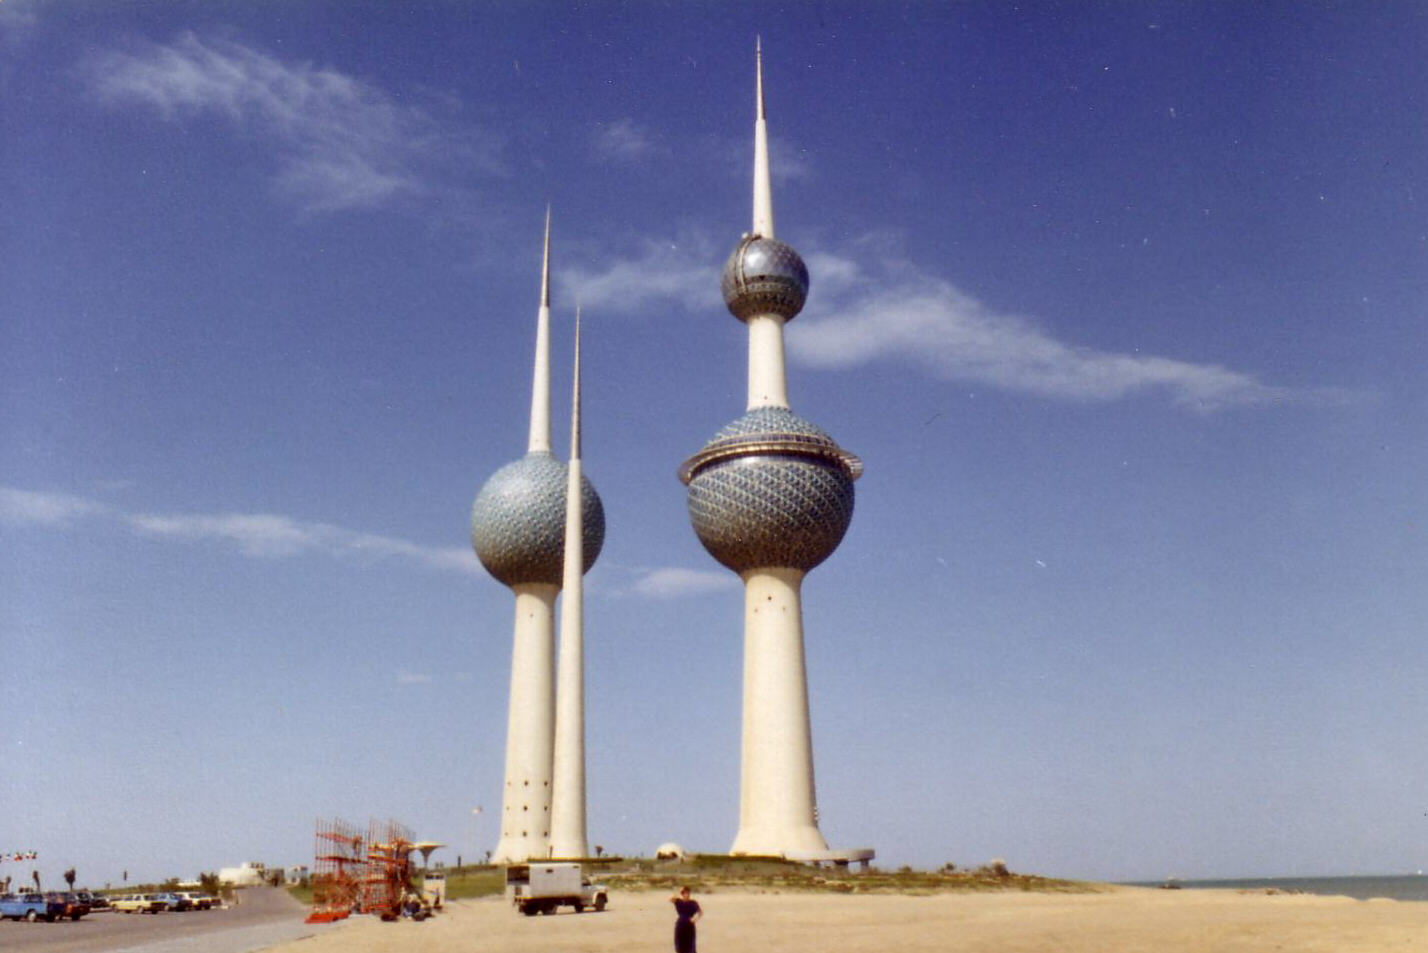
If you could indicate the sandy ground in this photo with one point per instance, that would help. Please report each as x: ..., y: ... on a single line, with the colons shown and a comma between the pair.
x: 1119, y: 920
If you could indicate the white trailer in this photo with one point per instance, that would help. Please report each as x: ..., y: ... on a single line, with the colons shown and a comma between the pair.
x: 433, y: 888
x: 545, y: 888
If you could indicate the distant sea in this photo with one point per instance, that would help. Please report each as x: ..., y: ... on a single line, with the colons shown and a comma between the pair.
x: 1401, y: 887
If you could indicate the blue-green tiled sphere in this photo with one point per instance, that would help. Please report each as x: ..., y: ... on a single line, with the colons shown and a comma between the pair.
x: 771, y: 490
x: 518, y: 521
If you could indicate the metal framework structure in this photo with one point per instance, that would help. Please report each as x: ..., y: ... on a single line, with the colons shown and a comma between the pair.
x: 339, y: 870
x: 388, y: 869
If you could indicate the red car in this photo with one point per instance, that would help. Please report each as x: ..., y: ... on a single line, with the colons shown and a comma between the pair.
x: 74, y: 908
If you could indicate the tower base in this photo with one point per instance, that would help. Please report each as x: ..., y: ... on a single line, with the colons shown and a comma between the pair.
x: 777, y: 806
x: 844, y: 857
x: 525, y: 802
x: 790, y: 842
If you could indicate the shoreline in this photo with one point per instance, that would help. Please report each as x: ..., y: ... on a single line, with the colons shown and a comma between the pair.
x: 1409, y: 888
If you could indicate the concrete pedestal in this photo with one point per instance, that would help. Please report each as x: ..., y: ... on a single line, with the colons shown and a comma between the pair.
x: 525, y: 801
x: 776, y: 791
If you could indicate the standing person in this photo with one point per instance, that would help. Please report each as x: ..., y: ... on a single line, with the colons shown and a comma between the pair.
x: 689, y: 913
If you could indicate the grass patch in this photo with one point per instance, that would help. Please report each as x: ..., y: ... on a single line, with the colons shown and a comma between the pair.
x: 463, y: 883
x: 709, y: 873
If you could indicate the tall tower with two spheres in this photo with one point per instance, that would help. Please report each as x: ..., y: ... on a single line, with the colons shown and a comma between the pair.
x: 518, y: 528
x: 770, y: 497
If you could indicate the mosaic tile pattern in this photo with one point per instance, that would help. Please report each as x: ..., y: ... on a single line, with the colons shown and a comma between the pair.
x: 518, y: 521
x: 771, y: 490
x: 764, y: 276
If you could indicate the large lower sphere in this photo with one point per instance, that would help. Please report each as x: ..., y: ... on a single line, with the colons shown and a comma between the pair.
x: 518, y: 521
x: 776, y: 510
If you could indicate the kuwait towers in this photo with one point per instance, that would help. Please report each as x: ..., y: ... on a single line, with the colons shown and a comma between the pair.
x: 518, y: 527
x: 770, y: 497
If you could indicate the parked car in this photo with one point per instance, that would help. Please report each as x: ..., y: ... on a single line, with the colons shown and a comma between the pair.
x: 138, y: 903
x: 174, y: 902
x: 29, y: 906
x: 199, y: 901
x: 96, y: 901
x: 74, y: 908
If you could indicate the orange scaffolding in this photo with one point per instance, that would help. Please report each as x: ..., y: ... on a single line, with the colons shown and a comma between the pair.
x: 338, y: 872
x: 388, y: 869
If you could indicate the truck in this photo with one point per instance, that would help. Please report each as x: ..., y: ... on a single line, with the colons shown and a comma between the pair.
x: 30, y: 906
x: 546, y: 887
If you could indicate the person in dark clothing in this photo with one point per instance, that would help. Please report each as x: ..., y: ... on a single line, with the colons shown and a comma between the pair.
x: 689, y: 913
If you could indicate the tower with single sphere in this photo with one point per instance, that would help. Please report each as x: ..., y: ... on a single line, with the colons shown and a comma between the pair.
x: 518, y: 531
x: 770, y: 497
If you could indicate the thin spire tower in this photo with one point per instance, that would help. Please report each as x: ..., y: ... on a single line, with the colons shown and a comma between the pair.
x: 567, y: 811
x: 540, y: 377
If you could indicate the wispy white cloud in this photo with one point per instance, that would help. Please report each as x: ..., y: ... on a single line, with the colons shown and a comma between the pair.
x: 624, y: 139
x: 263, y: 535
x: 684, y: 272
x: 675, y: 583
x: 787, y: 163
x: 452, y: 558
x: 30, y: 506
x: 890, y: 311
x: 413, y: 678
x: 339, y: 142
x: 268, y: 535
x: 867, y: 308
x: 256, y: 534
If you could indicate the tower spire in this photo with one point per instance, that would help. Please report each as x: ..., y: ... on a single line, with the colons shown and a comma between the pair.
x: 567, y: 807
x: 763, y: 193
x: 540, y: 379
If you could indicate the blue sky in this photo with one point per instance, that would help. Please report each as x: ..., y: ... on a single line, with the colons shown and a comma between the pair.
x: 1121, y: 305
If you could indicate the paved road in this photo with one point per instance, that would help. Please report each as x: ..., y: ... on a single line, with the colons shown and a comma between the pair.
x: 266, y: 916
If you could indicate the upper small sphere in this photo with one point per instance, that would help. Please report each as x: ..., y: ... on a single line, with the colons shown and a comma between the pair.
x: 764, y: 276
x: 518, y: 521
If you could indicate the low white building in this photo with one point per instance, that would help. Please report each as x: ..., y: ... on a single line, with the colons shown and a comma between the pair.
x: 250, y: 873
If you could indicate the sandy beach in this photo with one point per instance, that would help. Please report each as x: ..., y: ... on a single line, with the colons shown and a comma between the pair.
x: 1118, y: 920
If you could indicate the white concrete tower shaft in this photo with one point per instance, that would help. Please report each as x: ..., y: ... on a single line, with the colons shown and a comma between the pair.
x: 768, y: 382
x: 530, y: 728
x: 777, y: 801
x: 567, y: 812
